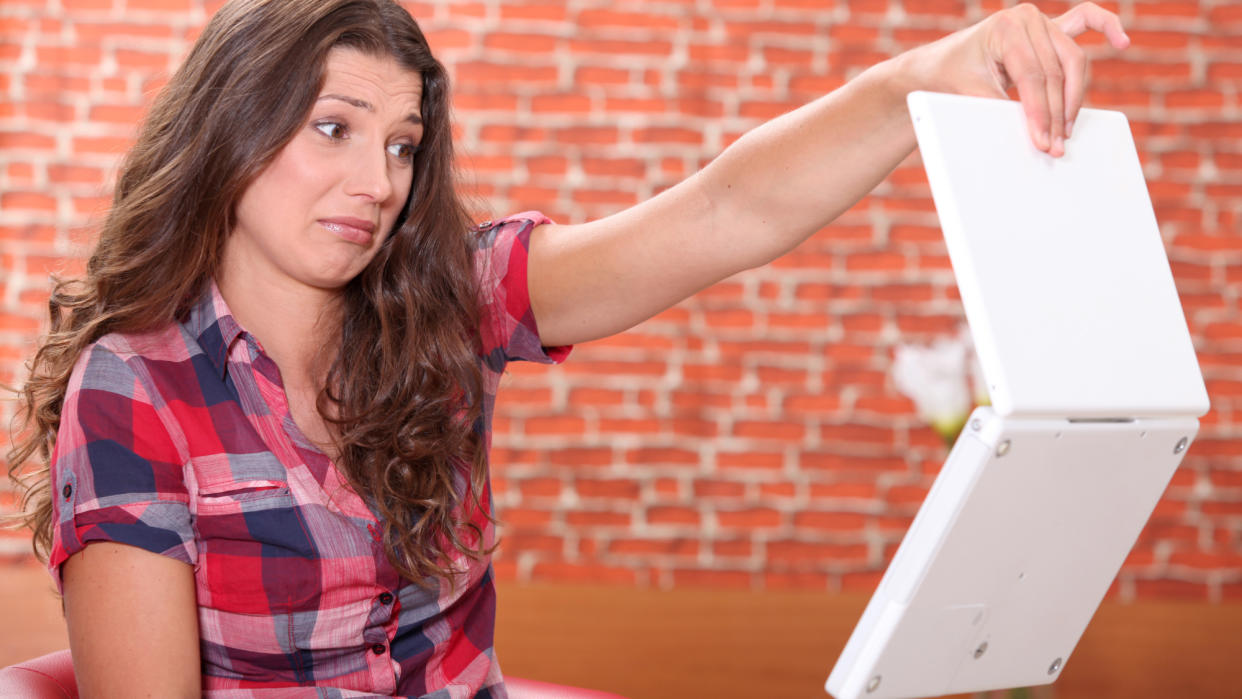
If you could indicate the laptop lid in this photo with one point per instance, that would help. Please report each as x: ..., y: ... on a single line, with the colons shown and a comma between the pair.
x: 1060, y: 264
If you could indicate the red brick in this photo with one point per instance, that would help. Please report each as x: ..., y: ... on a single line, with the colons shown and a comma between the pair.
x: 58, y: 55
x: 508, y: 41
x: 654, y: 547
x: 28, y: 201
x: 105, y: 145
x: 831, y: 521
x: 553, y: 11
x: 520, y: 518
x: 815, y: 553
x: 700, y: 80
x: 595, y: 75
x: 610, y: 488
x: 631, y: 425
x: 861, y: 582
x: 540, y: 487
x: 839, y: 462
x: 483, y: 72
x: 669, y: 135
x: 25, y: 139
x: 718, y: 489
x: 597, y: 519
x: 584, y: 135
x: 117, y: 113
x: 656, y: 455
x: 750, y: 459
x: 755, y: 518
x: 609, y: 19
x: 64, y: 174
x: 581, y: 457
x: 733, y: 548
x: 1170, y: 589
x: 797, y: 580
x: 673, y: 515
x: 769, y: 430
x: 556, y: 425
x: 629, y: 49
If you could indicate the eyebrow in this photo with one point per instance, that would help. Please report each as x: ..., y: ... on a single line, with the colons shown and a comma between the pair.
x: 363, y: 104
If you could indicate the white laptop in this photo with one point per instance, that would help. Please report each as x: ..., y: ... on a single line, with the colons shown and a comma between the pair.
x: 1095, y: 394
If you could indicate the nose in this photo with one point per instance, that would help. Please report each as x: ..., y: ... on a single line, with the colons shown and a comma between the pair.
x: 370, y: 176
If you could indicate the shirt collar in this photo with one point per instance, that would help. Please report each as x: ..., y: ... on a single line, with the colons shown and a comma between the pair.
x: 212, y: 324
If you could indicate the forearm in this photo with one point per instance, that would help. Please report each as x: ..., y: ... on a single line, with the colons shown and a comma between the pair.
x: 763, y: 195
x: 788, y: 178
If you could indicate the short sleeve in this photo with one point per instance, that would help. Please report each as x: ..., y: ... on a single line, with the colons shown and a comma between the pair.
x: 508, y: 323
x: 116, y: 475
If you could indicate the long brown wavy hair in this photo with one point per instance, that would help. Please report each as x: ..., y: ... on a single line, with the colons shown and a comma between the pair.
x: 404, y: 389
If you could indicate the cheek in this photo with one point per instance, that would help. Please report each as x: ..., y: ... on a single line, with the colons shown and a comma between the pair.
x: 295, y: 178
x: 402, y: 185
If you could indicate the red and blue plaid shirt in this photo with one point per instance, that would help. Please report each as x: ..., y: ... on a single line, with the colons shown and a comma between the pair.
x: 181, y: 442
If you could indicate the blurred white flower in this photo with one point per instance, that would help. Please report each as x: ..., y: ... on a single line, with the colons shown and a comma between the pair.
x: 938, y: 379
x: 978, y: 384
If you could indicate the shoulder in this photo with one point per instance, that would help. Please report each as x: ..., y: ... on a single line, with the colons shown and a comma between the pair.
x: 515, y: 226
x: 114, y: 361
x: 502, y: 247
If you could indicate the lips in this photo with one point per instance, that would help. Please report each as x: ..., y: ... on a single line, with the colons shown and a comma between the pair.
x: 355, y: 230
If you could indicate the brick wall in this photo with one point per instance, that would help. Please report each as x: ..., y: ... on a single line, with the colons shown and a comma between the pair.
x: 751, y: 436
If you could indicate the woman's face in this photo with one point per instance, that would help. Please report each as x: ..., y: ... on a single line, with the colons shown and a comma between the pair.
x: 318, y: 213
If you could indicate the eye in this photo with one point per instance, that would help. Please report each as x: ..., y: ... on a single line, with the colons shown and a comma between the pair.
x: 334, y: 130
x: 403, y: 151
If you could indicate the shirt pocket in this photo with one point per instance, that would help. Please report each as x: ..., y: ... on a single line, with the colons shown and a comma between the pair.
x: 231, y: 496
x: 256, y: 554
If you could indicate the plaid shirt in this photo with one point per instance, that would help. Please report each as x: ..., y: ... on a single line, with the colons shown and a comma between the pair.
x: 181, y: 442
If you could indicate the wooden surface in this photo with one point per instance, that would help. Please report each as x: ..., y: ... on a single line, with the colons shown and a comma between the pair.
x: 698, y: 643
x: 649, y: 644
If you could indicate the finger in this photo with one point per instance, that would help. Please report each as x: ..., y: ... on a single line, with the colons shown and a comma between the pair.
x: 1024, y: 68
x: 1074, y: 67
x: 1089, y: 15
x: 1026, y: 73
x: 1054, y: 82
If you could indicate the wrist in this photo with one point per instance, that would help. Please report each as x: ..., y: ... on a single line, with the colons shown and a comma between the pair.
x: 900, y: 75
x: 891, y: 80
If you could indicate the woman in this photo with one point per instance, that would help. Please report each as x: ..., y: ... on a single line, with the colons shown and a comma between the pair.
x: 266, y: 409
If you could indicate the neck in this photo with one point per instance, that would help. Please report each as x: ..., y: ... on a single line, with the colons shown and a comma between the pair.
x: 294, y: 323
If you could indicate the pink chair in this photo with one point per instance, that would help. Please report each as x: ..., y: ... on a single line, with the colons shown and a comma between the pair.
x: 51, y: 677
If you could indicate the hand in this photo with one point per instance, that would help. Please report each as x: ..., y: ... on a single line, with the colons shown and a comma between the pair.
x: 1022, y: 47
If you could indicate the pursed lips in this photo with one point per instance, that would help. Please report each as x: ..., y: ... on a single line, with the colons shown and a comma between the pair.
x: 355, y: 230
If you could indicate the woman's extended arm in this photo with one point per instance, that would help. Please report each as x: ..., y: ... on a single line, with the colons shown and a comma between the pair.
x: 788, y: 178
x: 133, y: 623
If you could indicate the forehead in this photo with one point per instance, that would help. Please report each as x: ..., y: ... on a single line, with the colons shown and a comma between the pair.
x: 377, y: 80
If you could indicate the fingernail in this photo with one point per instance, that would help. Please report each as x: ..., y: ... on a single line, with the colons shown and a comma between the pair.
x: 1069, y: 129
x: 1060, y: 143
x: 1043, y: 140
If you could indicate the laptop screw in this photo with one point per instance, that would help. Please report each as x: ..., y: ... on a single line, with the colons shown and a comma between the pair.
x: 874, y: 684
x: 976, y: 424
x: 1181, y: 445
x: 983, y: 648
x: 1002, y: 448
x: 1056, y: 665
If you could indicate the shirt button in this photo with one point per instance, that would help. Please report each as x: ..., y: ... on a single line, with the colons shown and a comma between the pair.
x: 386, y: 598
x: 378, y: 649
x: 67, y: 491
